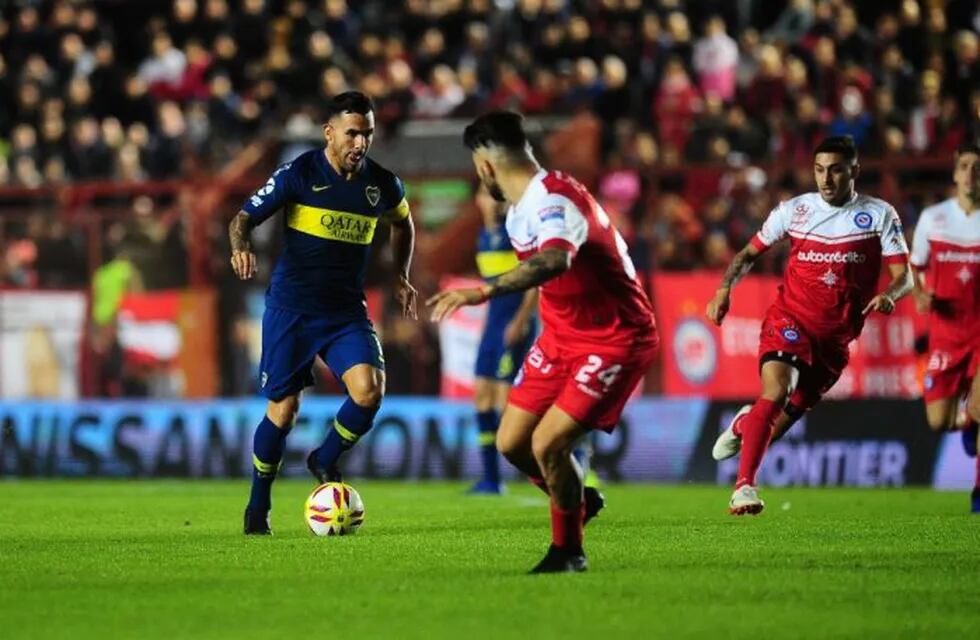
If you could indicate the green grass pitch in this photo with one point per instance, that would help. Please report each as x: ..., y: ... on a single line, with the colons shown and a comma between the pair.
x: 166, y: 559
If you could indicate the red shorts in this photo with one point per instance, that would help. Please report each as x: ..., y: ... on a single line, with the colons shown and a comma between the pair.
x: 819, y: 361
x: 592, y: 385
x: 950, y: 370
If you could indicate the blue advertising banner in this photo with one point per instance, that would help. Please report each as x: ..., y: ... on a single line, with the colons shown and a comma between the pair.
x: 413, y: 438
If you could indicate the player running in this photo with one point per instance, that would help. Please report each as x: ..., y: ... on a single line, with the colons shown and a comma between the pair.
x: 838, y: 241
x: 599, y: 335
x: 509, y: 330
x: 333, y: 199
x: 946, y: 259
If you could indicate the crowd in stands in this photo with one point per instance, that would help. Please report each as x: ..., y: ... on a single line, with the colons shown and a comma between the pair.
x: 152, y: 89
x: 690, y: 103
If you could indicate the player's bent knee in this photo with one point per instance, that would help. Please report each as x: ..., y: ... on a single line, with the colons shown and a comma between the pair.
x: 508, y: 444
x: 367, y: 392
x: 283, y: 412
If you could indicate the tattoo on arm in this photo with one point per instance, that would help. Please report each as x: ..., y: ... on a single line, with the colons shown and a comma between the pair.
x: 741, y: 265
x: 539, y: 268
x: 239, y: 231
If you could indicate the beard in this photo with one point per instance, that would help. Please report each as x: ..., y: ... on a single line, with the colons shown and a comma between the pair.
x: 494, y: 190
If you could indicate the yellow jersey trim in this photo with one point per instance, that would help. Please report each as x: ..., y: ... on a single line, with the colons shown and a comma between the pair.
x: 399, y: 212
x: 329, y: 224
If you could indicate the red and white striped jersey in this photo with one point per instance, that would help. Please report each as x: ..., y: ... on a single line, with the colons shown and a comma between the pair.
x: 835, y: 259
x: 946, y: 245
x: 599, y: 300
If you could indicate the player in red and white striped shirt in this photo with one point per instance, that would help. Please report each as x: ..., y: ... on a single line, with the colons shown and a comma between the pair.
x: 946, y: 259
x: 599, y: 337
x: 839, y: 240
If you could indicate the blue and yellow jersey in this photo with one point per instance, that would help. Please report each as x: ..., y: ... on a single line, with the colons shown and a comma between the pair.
x: 495, y: 256
x: 329, y: 225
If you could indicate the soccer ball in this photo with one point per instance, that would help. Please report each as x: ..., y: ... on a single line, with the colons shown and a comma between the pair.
x: 334, y: 509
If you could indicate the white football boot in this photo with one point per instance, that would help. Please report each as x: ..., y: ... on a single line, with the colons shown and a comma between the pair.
x: 746, y: 500
x: 728, y: 444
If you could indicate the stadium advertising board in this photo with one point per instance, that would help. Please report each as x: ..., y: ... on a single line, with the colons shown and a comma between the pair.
x: 701, y: 359
x: 869, y: 443
x: 849, y: 443
x: 41, y: 343
x: 412, y: 438
x: 459, y: 341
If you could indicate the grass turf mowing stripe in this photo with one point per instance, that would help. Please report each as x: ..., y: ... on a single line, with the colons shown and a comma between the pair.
x: 166, y: 559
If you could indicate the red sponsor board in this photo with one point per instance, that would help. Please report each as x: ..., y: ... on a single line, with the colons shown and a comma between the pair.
x: 168, y: 339
x: 701, y: 359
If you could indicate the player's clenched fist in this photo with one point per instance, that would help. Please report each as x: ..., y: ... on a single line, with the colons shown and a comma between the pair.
x: 718, y: 307
x: 445, y: 303
x: 243, y: 264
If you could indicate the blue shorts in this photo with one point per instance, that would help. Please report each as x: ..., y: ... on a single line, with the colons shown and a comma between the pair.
x: 291, y: 342
x: 498, y: 362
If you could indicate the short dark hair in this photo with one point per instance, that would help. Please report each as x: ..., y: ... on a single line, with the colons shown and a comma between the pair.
x: 843, y: 145
x: 968, y: 145
x: 349, y: 102
x: 497, y: 129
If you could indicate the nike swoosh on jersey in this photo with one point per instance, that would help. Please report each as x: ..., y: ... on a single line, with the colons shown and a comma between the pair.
x: 321, y: 188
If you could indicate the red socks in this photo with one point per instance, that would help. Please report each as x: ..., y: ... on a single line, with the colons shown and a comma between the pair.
x: 566, y: 527
x: 756, y: 430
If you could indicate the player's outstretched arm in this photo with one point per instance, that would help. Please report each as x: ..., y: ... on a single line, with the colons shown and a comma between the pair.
x: 243, y: 260
x: 543, y: 266
x: 901, y: 284
x: 741, y: 264
x: 403, y: 244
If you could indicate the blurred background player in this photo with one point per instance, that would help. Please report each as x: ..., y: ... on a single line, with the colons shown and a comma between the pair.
x: 510, y: 329
x: 946, y: 260
x: 839, y: 240
x: 315, y: 305
x: 599, y: 337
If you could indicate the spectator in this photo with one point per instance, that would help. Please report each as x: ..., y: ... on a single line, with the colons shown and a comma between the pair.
x: 137, y: 105
x: 766, y: 92
x: 88, y: 156
x: 676, y: 105
x: 163, y: 70
x: 853, y: 42
x: 852, y: 120
x: 794, y: 21
x: 440, y: 96
x: 106, y: 80
x: 250, y: 30
x: 716, y: 60
x: 165, y: 151
x: 922, y: 127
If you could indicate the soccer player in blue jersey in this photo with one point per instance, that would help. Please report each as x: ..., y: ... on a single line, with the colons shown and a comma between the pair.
x: 508, y: 333
x: 332, y: 200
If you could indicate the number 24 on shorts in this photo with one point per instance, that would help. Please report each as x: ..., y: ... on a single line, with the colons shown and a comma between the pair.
x: 593, y: 368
